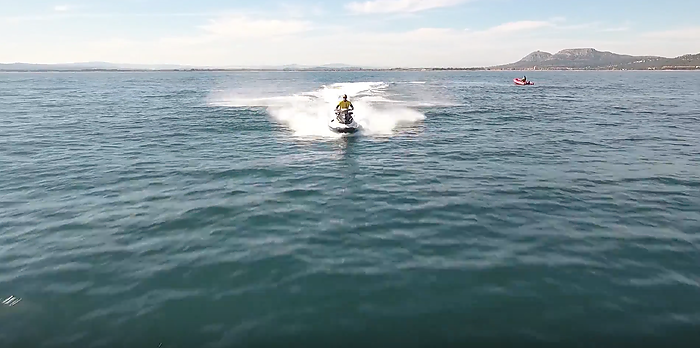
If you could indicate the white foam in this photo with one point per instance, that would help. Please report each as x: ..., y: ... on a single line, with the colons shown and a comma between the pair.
x: 242, y: 101
x: 307, y: 114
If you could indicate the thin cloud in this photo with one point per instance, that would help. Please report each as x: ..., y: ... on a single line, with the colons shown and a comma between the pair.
x: 61, y: 8
x: 581, y: 26
x: 258, y: 37
x: 299, y: 11
x: 625, y: 26
x: 615, y: 29
x: 558, y: 19
x: 238, y: 26
x: 688, y: 33
x: 596, y: 26
x: 244, y: 40
x: 114, y: 43
x: 400, y: 6
x: 62, y: 15
x: 441, y: 36
x: 519, y: 26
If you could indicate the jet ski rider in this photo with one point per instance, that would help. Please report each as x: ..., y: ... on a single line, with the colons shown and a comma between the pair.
x: 345, y: 104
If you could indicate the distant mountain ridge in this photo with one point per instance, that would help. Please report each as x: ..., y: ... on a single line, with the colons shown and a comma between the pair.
x: 567, y: 59
x: 592, y: 59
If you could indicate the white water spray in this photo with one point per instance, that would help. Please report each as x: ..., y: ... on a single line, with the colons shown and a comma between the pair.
x: 307, y: 114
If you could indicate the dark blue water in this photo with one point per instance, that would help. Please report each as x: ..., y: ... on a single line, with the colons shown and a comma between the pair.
x: 217, y: 210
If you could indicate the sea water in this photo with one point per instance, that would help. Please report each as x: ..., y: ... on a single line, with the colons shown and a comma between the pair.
x: 216, y: 209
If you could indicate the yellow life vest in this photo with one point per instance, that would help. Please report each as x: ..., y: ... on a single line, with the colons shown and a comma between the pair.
x: 344, y: 104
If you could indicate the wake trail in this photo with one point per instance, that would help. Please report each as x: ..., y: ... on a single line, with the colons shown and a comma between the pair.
x: 307, y: 114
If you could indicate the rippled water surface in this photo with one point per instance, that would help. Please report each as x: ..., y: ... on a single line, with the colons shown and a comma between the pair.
x: 199, y: 209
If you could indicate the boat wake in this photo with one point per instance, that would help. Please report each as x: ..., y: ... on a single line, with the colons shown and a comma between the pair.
x: 308, y: 113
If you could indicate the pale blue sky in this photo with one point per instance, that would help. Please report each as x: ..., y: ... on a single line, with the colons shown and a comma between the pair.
x: 378, y: 32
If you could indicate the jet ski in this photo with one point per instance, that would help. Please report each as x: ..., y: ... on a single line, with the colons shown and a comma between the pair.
x: 343, y: 122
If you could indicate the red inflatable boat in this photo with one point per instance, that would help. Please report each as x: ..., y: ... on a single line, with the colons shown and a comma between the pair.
x: 521, y: 83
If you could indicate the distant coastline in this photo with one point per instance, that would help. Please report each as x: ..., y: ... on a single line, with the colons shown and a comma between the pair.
x: 579, y: 59
x: 680, y: 68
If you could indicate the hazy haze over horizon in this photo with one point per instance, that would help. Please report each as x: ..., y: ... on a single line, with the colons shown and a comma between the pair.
x: 426, y: 33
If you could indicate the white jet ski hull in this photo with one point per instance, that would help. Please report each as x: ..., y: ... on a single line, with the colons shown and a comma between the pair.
x: 338, y: 127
